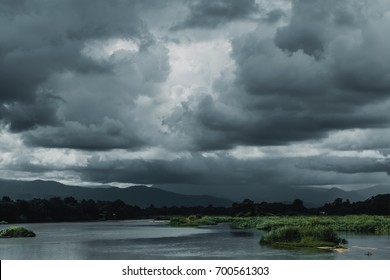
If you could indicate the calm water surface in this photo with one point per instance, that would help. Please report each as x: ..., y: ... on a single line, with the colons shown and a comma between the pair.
x: 150, y: 240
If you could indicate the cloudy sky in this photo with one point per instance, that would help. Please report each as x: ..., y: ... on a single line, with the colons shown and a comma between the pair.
x: 223, y: 92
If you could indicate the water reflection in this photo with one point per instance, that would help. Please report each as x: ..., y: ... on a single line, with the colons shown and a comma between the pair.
x: 242, y: 233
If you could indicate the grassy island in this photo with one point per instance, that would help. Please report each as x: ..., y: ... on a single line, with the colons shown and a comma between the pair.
x: 348, y: 223
x: 298, y: 231
x: 302, y: 237
x: 16, y: 231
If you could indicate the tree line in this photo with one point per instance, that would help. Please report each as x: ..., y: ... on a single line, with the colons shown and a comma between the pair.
x: 70, y: 210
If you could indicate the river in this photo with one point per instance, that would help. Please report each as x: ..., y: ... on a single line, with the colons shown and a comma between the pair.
x: 145, y: 239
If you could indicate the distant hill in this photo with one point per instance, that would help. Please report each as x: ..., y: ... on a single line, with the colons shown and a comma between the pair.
x: 374, y: 190
x: 185, y: 195
x: 137, y: 195
x: 312, y: 197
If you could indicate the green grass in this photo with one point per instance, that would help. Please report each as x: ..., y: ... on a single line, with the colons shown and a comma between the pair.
x: 349, y: 223
x: 16, y: 231
x: 302, y: 237
x: 198, y: 220
x: 296, y: 231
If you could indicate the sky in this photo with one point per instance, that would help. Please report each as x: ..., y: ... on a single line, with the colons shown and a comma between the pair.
x: 252, y: 92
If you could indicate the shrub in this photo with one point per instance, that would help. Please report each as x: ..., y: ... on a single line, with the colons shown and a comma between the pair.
x: 294, y: 236
x: 197, y: 220
x: 283, y: 234
x: 16, y: 231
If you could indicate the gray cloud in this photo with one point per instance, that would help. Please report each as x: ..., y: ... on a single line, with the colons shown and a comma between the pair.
x: 24, y: 116
x: 38, y: 38
x: 234, y: 174
x: 62, y: 95
x: 361, y: 139
x: 107, y: 135
x: 315, y: 23
x: 274, y: 16
x: 322, y: 78
x: 347, y: 165
x: 281, y: 95
x: 196, y: 169
x: 211, y: 14
x: 100, y: 112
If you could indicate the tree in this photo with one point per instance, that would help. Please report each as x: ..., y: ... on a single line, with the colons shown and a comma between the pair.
x: 297, y: 206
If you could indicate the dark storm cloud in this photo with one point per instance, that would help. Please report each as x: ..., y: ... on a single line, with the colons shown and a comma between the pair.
x: 314, y: 22
x: 347, y: 165
x: 99, y: 112
x: 23, y: 116
x: 230, y: 173
x: 331, y: 78
x: 58, y: 93
x: 196, y: 169
x: 274, y: 16
x: 211, y: 14
x: 370, y: 139
x: 39, y: 38
x: 108, y: 135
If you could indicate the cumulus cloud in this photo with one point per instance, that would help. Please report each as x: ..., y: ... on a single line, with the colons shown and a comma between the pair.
x: 358, y: 140
x: 295, y: 89
x: 214, y: 93
x: 315, y: 23
x: 224, y: 173
x: 72, y: 72
x: 348, y: 165
x: 274, y: 16
x: 211, y: 14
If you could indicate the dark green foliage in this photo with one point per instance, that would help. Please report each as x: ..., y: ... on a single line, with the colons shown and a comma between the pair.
x: 248, y: 208
x: 16, y: 231
x: 351, y: 223
x: 9, y: 211
x: 70, y: 210
x: 294, y: 236
x: 65, y: 210
x: 198, y: 220
x: 377, y: 205
x: 283, y: 234
x: 247, y: 214
x: 6, y: 198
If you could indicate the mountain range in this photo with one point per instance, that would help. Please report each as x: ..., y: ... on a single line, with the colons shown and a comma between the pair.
x: 136, y: 195
x: 184, y: 195
x: 311, y: 196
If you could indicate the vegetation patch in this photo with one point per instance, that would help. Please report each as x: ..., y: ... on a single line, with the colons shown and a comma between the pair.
x: 16, y: 231
x: 349, y: 223
x: 303, y: 237
x: 198, y: 220
x: 3, y: 222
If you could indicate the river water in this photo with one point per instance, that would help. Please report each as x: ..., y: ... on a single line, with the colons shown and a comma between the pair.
x: 145, y: 239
